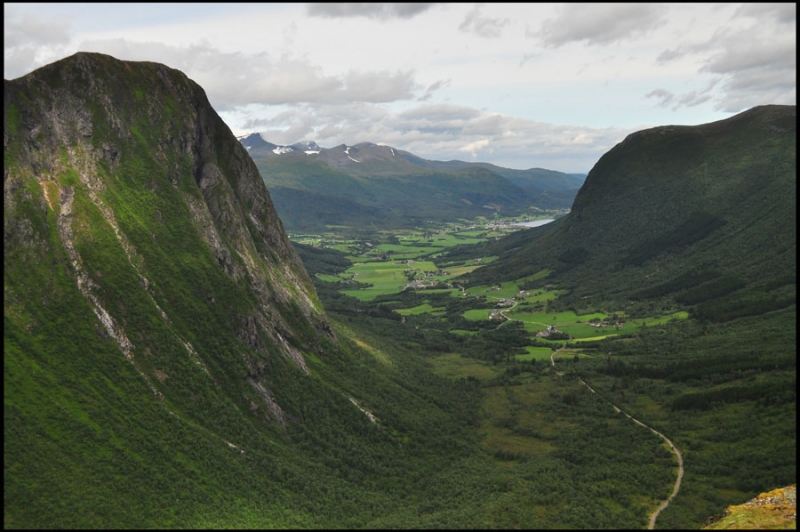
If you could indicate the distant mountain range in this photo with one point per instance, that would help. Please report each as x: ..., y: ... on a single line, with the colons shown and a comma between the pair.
x: 315, y: 187
x: 255, y: 144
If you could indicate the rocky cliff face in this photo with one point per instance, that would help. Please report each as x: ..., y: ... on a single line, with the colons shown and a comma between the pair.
x: 121, y: 181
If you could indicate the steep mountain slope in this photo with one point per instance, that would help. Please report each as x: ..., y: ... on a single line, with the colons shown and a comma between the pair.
x: 166, y: 359
x: 678, y: 208
x: 393, y: 187
x: 92, y: 156
x: 140, y: 245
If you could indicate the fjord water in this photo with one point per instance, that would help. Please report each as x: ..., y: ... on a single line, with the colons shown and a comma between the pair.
x: 535, y: 223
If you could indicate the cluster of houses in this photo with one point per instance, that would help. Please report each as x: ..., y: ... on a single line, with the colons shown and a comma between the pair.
x: 497, y: 315
x: 616, y: 324
x: 422, y: 284
x: 551, y: 332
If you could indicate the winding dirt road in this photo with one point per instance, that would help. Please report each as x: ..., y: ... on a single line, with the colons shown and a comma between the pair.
x: 672, y: 447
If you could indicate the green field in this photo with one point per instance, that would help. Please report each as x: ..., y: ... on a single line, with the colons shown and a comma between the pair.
x: 535, y: 353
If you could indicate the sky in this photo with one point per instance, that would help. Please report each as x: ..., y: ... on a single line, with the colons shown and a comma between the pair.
x: 522, y: 86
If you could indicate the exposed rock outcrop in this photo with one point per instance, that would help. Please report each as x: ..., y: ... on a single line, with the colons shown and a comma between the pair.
x: 776, y: 509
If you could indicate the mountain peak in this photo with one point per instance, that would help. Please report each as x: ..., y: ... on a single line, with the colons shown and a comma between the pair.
x: 134, y: 176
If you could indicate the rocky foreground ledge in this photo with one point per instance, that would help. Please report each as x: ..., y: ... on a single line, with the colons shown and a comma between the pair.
x: 776, y: 509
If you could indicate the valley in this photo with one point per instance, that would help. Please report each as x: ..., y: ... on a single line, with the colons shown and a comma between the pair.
x: 504, y: 335
x: 380, y: 347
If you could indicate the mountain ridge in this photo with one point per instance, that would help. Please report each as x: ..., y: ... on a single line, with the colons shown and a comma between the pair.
x: 137, y: 223
x: 347, y: 185
x: 258, y: 146
x: 690, y: 193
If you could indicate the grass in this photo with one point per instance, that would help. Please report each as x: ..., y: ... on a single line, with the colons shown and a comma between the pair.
x: 778, y: 515
x: 505, y: 290
x: 535, y: 353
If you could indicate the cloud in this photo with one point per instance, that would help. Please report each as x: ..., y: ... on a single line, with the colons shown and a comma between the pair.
x: 600, y: 23
x: 28, y: 31
x: 739, y: 53
x: 376, y: 87
x: 752, y: 59
x: 689, y: 99
x: 30, y: 41
x: 433, y: 87
x: 233, y: 79
x: 444, y: 132
x: 783, y: 13
x: 664, y: 95
x: 473, y: 147
x: 483, y: 26
x: 376, y: 10
x: 671, y: 55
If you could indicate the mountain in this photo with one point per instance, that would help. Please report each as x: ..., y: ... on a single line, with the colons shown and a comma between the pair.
x: 167, y: 362
x: 166, y: 358
x: 83, y: 166
x: 674, y: 210
x: 379, y: 185
x: 532, y: 178
x: 257, y: 146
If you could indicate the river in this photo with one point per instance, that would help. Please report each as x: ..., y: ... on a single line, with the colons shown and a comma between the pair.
x: 535, y: 223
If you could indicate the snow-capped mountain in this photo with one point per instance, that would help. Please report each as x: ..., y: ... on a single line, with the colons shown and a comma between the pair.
x: 367, y: 158
x: 255, y: 144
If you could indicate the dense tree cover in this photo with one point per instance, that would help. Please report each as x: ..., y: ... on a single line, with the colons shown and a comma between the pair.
x: 708, y: 385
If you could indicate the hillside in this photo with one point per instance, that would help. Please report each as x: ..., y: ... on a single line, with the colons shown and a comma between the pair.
x: 381, y: 186
x: 147, y: 280
x: 676, y: 209
x: 773, y: 510
x: 167, y: 362
x: 699, y: 222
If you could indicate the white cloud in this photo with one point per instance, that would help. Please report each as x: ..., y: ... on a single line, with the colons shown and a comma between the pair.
x: 30, y: 40
x: 754, y: 55
x: 474, y: 147
x: 234, y: 79
x: 483, y: 26
x: 600, y: 23
x: 544, y: 84
x: 377, y: 10
x: 444, y: 132
x: 784, y: 13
